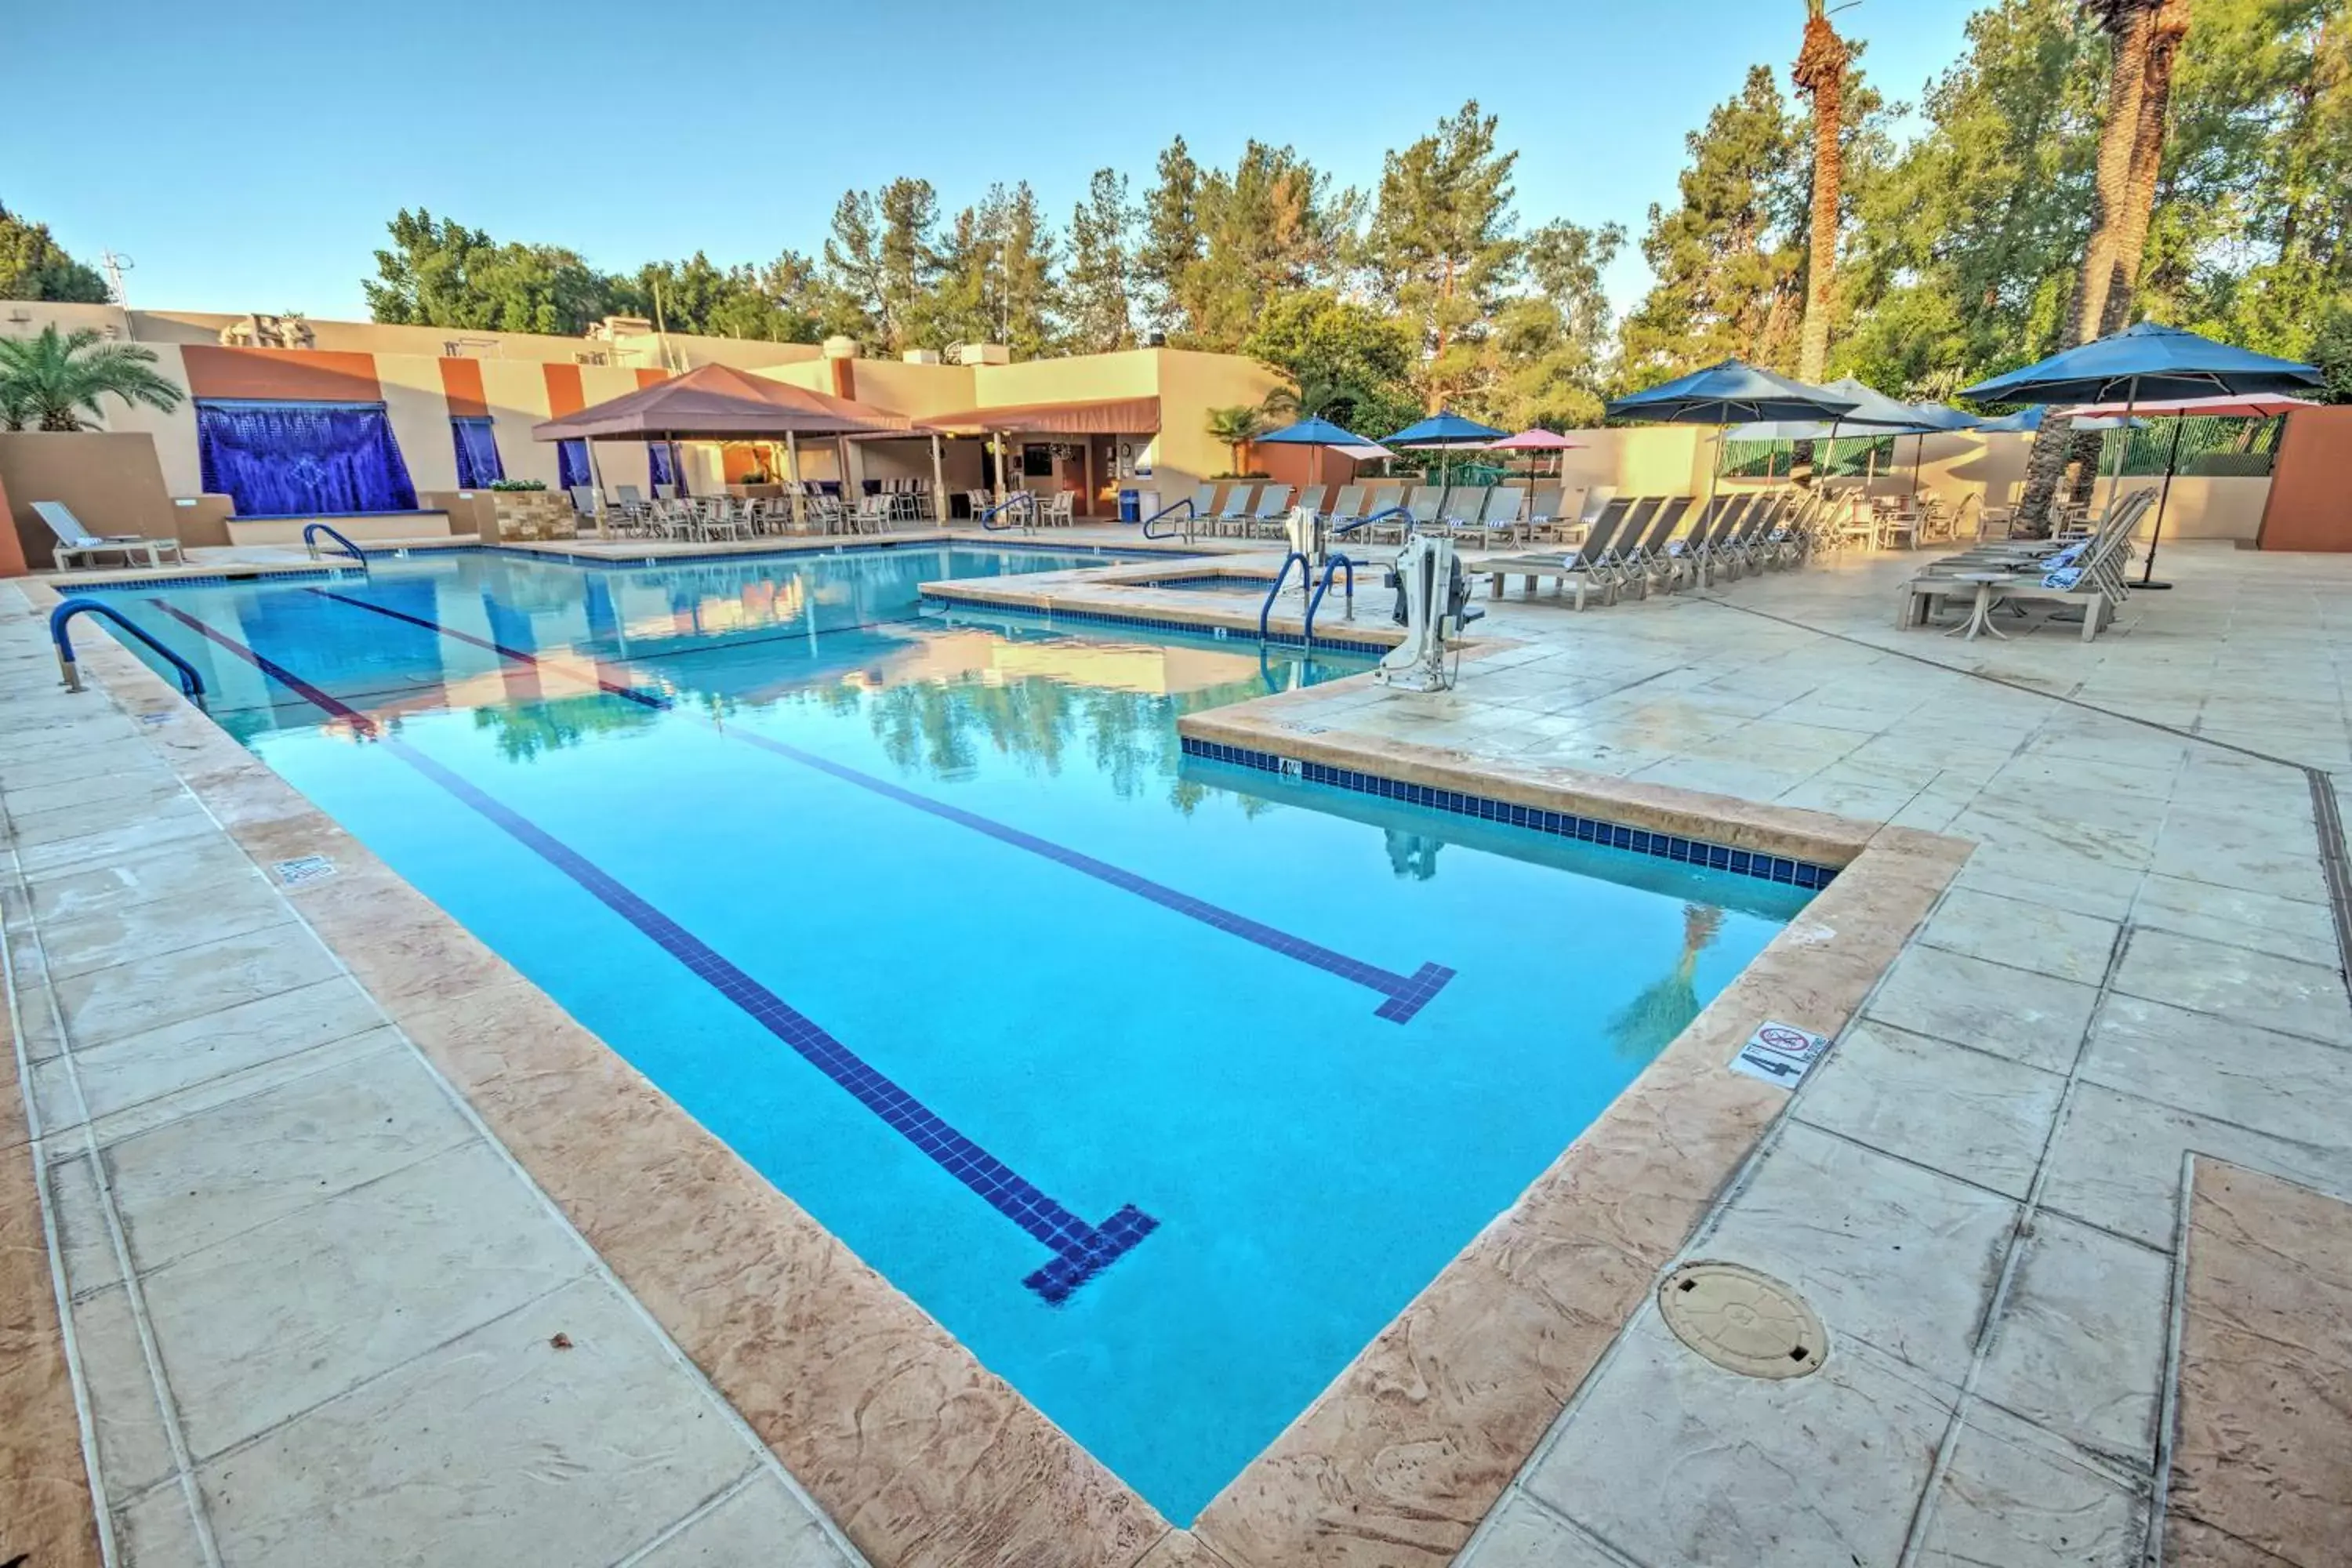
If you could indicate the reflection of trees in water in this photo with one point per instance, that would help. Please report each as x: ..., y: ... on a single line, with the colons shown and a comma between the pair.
x: 1652, y: 1020
x: 524, y: 729
x: 943, y: 728
x: 1413, y: 856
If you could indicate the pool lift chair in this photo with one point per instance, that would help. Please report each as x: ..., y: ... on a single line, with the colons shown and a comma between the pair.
x: 1434, y: 607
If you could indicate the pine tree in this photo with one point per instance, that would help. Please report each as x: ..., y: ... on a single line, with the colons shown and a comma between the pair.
x: 884, y: 256
x: 1442, y: 250
x: 1726, y: 258
x: 1172, y: 245
x: 1101, y: 321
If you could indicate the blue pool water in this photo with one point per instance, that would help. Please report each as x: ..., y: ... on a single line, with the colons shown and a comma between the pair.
x: 1163, y: 1084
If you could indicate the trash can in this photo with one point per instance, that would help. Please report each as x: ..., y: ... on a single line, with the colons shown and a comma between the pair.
x: 1130, y: 505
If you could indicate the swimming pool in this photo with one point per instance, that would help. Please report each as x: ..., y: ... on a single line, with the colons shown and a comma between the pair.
x: 1163, y: 1084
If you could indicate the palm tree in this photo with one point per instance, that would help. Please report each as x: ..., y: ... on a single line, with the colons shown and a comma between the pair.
x: 2145, y: 37
x: 1238, y: 427
x: 1821, y: 76
x: 49, y: 380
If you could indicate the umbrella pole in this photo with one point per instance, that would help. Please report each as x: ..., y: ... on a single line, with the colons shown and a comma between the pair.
x: 588, y: 444
x: 2164, y: 499
x: 793, y: 473
x: 939, y: 485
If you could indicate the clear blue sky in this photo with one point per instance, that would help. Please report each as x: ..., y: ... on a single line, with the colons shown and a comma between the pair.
x: 245, y: 153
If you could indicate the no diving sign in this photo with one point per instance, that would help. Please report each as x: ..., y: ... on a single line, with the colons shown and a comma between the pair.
x: 1779, y: 1054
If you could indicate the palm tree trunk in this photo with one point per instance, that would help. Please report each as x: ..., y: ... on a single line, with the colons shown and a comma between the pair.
x: 2168, y: 28
x: 2131, y: 25
x: 1829, y: 189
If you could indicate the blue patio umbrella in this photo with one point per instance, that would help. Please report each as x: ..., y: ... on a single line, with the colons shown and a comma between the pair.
x: 1731, y: 393
x: 1443, y: 431
x: 2026, y: 421
x: 2150, y: 363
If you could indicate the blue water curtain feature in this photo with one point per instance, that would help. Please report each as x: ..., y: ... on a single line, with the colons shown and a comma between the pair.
x: 478, y: 454
x: 661, y: 460
x: 302, y: 459
x: 571, y: 464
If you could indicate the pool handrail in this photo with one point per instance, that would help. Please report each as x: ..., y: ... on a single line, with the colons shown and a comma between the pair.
x: 1315, y: 603
x: 1306, y: 573
x: 1019, y: 500
x: 192, y: 684
x: 1191, y: 514
x: 1403, y: 511
x: 310, y: 532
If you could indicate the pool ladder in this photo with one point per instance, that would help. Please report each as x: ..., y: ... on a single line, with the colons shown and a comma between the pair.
x: 192, y: 685
x: 1315, y: 600
x: 310, y: 532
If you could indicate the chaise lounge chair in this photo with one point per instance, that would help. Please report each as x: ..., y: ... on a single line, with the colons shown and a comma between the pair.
x: 73, y: 539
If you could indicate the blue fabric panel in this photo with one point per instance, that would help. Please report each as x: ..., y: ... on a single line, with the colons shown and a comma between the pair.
x: 478, y: 454
x: 293, y: 459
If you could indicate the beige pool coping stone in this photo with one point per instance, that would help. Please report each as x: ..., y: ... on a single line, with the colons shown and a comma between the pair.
x: 1122, y: 590
x: 922, y: 1456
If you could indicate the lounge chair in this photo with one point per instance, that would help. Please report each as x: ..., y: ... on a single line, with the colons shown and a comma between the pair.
x: 1233, y: 510
x: 1546, y: 508
x: 1464, y: 505
x: 73, y: 539
x: 1312, y: 498
x: 1648, y: 559
x: 1348, y: 509
x: 2089, y: 573
x: 1585, y: 567
x: 1501, y: 515
x: 1273, y: 506
x: 1422, y: 509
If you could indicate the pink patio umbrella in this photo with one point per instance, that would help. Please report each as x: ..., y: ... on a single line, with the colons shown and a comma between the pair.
x: 2250, y: 405
x: 1536, y: 440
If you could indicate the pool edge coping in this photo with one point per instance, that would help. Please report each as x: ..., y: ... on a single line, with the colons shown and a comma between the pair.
x: 696, y: 1234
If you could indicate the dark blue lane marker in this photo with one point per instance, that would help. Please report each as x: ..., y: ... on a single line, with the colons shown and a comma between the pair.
x: 1081, y: 1251
x: 645, y: 698
x: 1405, y: 994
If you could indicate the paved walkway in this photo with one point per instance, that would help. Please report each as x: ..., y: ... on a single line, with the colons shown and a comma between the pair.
x: 319, y: 1315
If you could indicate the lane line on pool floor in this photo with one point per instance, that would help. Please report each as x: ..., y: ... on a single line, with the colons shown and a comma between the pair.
x: 1402, y: 996
x: 1081, y: 1251
x: 610, y: 688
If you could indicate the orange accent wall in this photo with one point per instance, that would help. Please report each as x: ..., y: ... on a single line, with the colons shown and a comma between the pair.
x: 651, y: 378
x: 2311, y: 484
x: 563, y: 393
x: 298, y: 375
x: 845, y: 378
x: 461, y: 383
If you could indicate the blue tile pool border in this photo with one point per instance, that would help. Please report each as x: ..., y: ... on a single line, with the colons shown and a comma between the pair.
x: 1152, y: 624
x: 1781, y: 868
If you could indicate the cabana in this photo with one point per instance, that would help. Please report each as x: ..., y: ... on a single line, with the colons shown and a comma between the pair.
x: 718, y: 403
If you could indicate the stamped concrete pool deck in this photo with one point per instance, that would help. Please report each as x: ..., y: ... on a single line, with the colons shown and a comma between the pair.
x: 318, y: 1311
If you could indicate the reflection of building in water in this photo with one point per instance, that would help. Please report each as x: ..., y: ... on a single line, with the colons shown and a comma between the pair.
x: 1413, y: 856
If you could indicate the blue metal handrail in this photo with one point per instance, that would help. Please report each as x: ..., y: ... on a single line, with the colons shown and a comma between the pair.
x: 1191, y: 514
x: 192, y: 685
x: 1315, y: 603
x: 1403, y: 511
x: 1305, y: 575
x: 310, y: 532
x: 1019, y: 500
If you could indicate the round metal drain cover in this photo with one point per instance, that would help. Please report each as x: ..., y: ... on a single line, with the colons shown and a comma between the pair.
x: 1739, y: 1319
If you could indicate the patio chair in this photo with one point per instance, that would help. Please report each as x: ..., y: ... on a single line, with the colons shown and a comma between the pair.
x: 1585, y: 567
x: 1691, y: 555
x: 1500, y: 514
x: 632, y: 496
x: 73, y: 539
x: 1545, y: 508
x: 1272, y: 506
x: 873, y: 514
x: 1059, y: 510
x: 1647, y: 559
x: 1232, y: 514
x: 583, y: 500
x: 1347, y: 506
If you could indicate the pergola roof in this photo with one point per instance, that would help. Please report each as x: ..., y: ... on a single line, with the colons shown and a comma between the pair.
x: 1099, y: 417
x: 720, y: 402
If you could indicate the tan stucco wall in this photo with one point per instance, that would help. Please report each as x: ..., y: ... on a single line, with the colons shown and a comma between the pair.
x: 1189, y: 386
x: 110, y: 480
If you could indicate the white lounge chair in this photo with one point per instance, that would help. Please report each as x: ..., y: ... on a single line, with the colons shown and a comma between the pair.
x: 74, y: 539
